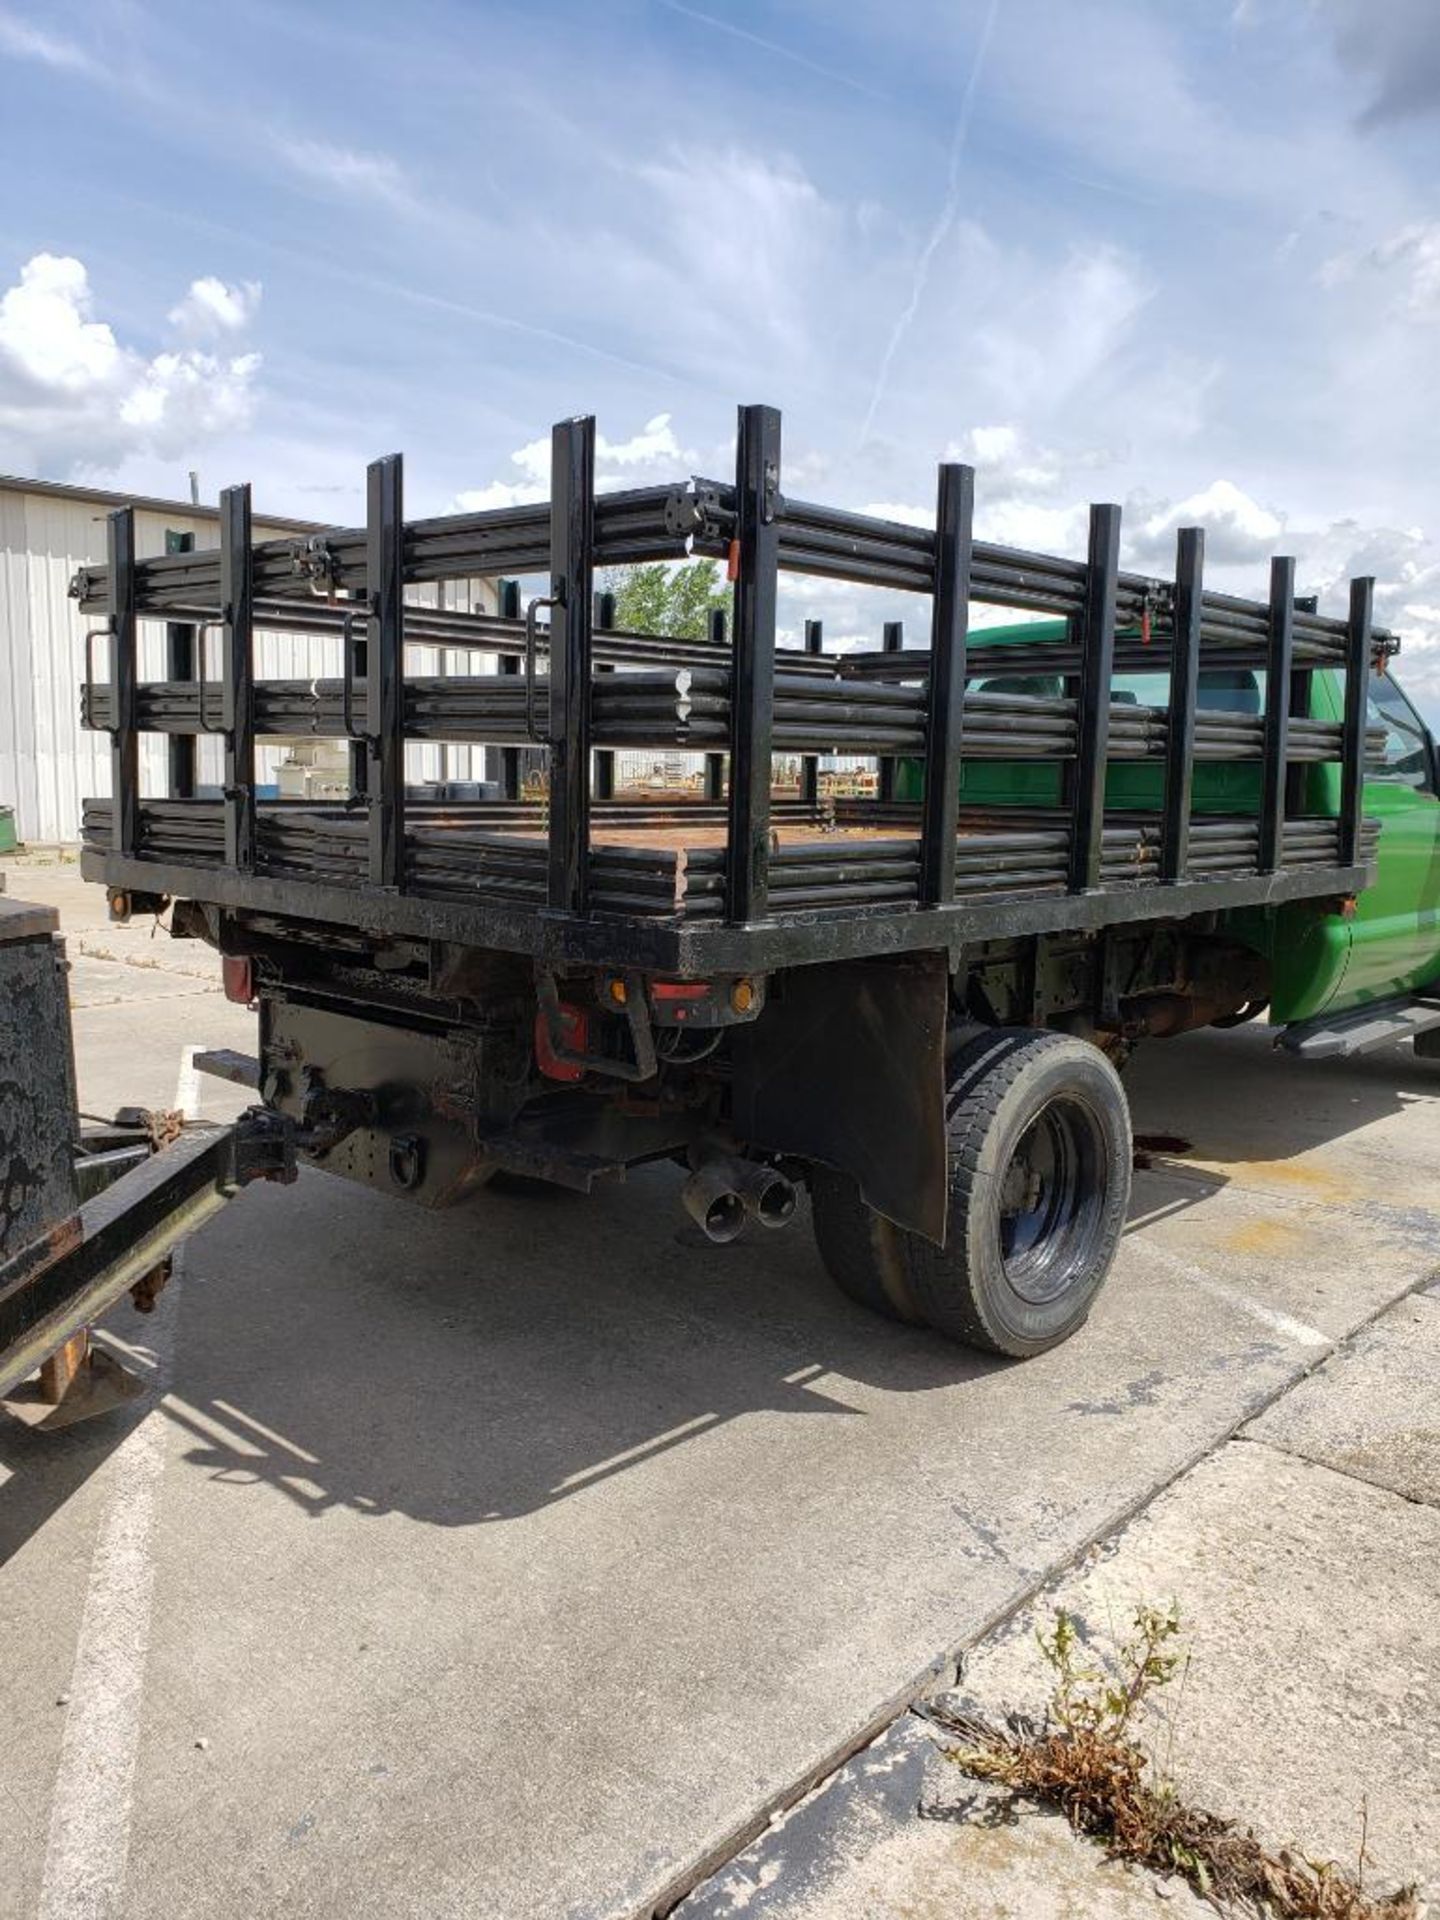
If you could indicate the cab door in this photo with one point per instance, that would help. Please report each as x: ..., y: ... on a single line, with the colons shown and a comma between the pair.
x: 1395, y: 935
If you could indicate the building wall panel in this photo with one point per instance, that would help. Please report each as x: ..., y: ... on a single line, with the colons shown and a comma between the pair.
x: 49, y: 764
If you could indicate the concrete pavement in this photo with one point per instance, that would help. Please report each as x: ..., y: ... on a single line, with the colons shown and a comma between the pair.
x: 522, y: 1560
x: 1309, y: 1710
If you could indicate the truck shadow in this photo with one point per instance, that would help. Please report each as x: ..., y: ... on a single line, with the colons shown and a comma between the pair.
x: 474, y: 1366
x: 1238, y: 1101
x: 528, y: 1348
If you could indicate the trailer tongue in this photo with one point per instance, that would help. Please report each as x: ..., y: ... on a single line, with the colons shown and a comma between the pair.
x: 89, y: 1215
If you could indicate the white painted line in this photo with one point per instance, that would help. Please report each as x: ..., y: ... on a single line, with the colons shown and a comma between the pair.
x: 1272, y: 1317
x: 187, y: 1084
x: 84, y: 1876
x: 89, y: 1841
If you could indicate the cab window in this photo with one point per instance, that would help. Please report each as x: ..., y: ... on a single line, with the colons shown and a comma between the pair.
x: 1218, y: 690
x: 1404, y: 756
x: 1035, y: 686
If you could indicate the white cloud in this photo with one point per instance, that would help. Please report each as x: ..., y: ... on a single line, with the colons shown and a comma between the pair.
x: 654, y: 448
x: 1004, y: 456
x: 46, y: 334
x: 1238, y: 530
x: 1025, y: 493
x: 1031, y: 525
x: 533, y: 460
x: 1088, y: 306
x: 649, y: 457
x: 735, y: 255
x: 72, y: 396
x: 901, y: 511
x: 23, y: 40
x: 347, y: 170
x: 1405, y: 565
x: 211, y: 307
x: 182, y: 396
x: 1408, y: 263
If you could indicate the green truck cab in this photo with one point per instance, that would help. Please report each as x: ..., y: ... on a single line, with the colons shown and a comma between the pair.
x: 1325, y: 960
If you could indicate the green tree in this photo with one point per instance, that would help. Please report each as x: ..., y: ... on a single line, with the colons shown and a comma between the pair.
x: 669, y: 600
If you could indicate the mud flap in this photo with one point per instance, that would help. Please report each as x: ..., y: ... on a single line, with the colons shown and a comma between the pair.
x: 847, y: 1065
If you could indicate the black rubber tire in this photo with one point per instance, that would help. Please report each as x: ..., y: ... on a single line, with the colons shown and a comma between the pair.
x: 861, y: 1249
x: 1001, y: 1085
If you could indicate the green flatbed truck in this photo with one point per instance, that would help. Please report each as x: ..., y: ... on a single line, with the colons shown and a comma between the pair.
x: 1153, y: 806
x: 1336, y: 981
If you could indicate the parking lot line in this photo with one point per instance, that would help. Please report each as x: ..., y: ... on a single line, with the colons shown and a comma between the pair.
x: 84, y: 1873
x: 89, y: 1840
x: 1282, y: 1323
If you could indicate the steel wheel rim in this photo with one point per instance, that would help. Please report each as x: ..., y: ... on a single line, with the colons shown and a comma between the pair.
x: 1052, y: 1201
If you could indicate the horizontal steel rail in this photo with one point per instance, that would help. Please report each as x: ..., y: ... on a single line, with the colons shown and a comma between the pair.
x: 659, y: 523
x: 636, y: 526
x: 691, y: 710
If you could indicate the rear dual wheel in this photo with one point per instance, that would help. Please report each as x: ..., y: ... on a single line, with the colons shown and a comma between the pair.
x: 1039, y: 1178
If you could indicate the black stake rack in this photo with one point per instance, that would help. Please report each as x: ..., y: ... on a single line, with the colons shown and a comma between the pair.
x: 737, y: 876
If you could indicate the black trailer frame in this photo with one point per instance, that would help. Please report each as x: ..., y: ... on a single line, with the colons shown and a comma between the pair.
x: 91, y: 1212
x: 937, y: 877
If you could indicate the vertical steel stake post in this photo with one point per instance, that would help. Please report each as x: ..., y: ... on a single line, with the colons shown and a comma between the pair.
x: 385, y: 669
x: 507, y: 603
x: 1184, y: 690
x: 572, y: 520
x: 892, y: 641
x: 1097, y: 663
x: 180, y: 748
x: 124, y: 739
x: 715, y: 762
x: 1357, y: 695
x: 1302, y: 701
x: 809, y: 763
x: 752, y: 674
x: 604, y: 756
x: 945, y: 701
x: 237, y: 600
x: 1279, y: 662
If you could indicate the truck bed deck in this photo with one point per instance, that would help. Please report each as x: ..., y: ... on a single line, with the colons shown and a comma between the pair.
x: 841, y: 884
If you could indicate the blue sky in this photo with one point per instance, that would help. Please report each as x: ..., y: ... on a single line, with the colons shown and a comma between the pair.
x: 1182, y: 256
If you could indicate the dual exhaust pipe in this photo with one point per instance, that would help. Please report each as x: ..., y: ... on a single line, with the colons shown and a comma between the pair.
x: 723, y: 1193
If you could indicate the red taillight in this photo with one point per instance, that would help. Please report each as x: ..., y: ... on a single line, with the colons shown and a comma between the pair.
x: 238, y: 974
x: 679, y: 989
x: 574, y: 1025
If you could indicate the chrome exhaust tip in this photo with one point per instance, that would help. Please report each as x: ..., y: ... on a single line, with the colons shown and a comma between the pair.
x: 769, y: 1197
x: 710, y: 1199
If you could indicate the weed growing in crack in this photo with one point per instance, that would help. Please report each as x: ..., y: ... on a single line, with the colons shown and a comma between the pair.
x: 1085, y: 1758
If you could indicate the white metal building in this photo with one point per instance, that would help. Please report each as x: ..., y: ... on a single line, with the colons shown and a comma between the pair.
x: 49, y: 764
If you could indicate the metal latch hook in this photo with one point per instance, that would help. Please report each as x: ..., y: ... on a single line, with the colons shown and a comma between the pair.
x: 532, y: 643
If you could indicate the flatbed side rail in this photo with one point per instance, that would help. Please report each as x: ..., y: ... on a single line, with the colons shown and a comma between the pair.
x: 741, y: 705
